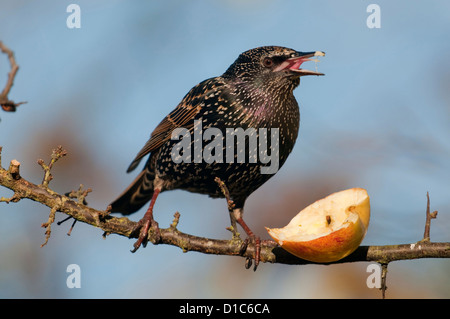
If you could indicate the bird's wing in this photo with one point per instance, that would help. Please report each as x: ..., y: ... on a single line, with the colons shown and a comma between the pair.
x: 182, y: 116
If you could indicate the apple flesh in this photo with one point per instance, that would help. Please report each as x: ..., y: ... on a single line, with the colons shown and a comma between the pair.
x: 329, y: 229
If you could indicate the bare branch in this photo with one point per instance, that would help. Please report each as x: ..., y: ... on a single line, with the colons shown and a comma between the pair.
x: 270, y: 251
x: 384, y: 270
x: 6, y: 104
x: 56, y: 155
x: 230, y: 204
x: 429, y: 216
x: 48, y: 225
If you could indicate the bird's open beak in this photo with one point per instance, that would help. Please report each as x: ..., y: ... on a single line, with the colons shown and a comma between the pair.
x: 293, y: 64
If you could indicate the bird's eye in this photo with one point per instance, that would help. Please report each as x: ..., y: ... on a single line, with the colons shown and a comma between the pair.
x: 267, y: 62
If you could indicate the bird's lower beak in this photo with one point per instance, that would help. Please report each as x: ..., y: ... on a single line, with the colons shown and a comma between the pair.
x: 293, y: 64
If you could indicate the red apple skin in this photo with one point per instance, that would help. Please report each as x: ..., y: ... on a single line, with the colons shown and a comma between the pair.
x: 331, y: 246
x: 328, y: 248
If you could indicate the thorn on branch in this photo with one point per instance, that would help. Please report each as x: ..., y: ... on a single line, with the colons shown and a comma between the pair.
x: 6, y: 104
x: 429, y: 216
x: 384, y: 270
x: 64, y: 220
x: 56, y: 155
x: 71, y: 227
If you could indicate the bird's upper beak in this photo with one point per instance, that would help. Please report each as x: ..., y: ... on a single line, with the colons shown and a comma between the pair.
x: 293, y: 64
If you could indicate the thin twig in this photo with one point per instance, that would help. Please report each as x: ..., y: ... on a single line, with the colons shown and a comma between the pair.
x: 6, y: 104
x: 176, y: 220
x: 230, y: 204
x: 80, y: 194
x: 48, y: 225
x: 384, y: 270
x: 429, y: 216
x: 56, y: 155
x: 225, y: 192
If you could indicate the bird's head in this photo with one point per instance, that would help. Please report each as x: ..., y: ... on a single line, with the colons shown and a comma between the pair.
x: 271, y: 63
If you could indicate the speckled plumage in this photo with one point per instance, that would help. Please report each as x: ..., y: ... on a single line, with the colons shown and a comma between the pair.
x: 253, y: 93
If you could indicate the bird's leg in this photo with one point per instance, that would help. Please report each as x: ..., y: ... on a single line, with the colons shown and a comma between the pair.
x: 238, y: 212
x: 236, y: 216
x: 146, y: 222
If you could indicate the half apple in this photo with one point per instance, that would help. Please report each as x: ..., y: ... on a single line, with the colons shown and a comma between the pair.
x: 329, y: 229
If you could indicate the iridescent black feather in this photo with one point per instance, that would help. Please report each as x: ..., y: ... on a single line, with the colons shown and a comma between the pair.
x: 252, y: 93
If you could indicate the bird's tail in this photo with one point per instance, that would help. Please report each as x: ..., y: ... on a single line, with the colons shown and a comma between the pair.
x: 136, y: 195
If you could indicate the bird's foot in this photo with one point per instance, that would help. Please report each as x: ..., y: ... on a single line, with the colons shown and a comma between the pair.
x: 256, y: 241
x: 146, y: 224
x: 236, y: 218
x: 145, y: 227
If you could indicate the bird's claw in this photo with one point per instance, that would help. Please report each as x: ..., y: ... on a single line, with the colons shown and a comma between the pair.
x: 144, y: 226
x: 257, y: 255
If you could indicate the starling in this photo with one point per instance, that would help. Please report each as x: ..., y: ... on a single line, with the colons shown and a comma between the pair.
x: 254, y: 96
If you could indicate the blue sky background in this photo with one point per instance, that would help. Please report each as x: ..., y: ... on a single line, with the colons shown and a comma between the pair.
x: 379, y: 119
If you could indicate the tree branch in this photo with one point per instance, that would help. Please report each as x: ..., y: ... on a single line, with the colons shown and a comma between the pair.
x: 270, y: 251
x: 6, y: 104
x: 426, y: 234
